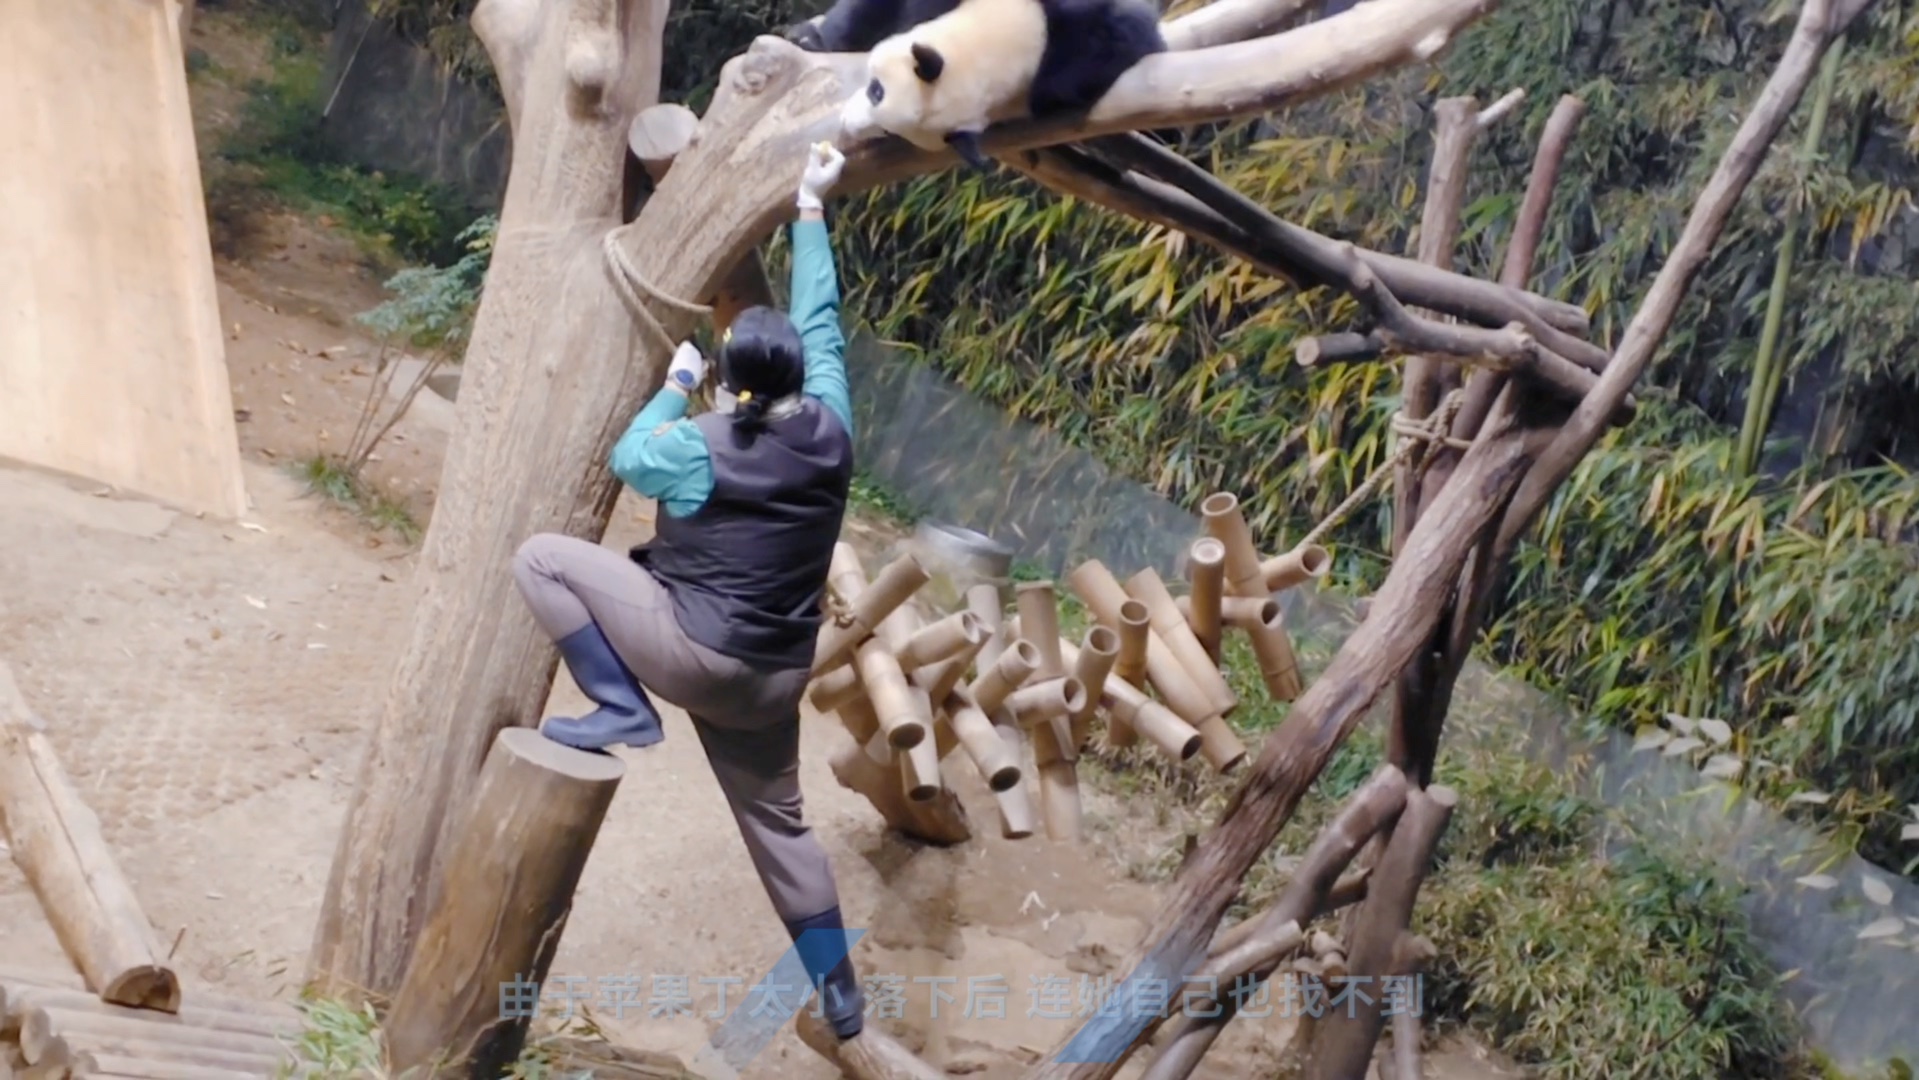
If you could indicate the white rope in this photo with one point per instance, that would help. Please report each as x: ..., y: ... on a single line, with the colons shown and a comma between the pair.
x: 1416, y: 437
x: 629, y: 282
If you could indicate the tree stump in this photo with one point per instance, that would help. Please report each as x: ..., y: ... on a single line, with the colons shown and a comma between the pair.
x: 536, y: 811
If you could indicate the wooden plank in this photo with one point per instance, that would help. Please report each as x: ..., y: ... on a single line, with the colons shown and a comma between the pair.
x: 111, y: 349
x: 57, y: 842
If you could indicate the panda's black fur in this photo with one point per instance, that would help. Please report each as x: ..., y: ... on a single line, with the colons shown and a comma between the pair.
x: 1089, y: 43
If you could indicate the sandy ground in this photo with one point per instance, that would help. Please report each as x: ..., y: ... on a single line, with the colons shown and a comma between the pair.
x: 208, y: 685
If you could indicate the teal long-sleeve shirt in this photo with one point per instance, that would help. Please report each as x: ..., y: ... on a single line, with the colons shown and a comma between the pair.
x: 664, y: 456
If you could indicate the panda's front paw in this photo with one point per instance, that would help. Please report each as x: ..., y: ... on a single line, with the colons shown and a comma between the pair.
x: 806, y: 35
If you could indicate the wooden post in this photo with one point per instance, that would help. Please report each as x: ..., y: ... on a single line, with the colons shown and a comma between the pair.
x: 658, y: 135
x: 56, y: 841
x: 536, y: 810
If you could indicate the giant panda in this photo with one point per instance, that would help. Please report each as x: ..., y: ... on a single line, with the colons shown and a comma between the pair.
x: 939, y: 83
x: 858, y: 25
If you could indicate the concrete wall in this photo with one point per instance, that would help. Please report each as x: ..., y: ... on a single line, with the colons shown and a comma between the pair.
x: 394, y: 106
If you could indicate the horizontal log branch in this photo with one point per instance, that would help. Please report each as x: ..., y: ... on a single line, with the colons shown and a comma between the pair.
x: 1510, y: 350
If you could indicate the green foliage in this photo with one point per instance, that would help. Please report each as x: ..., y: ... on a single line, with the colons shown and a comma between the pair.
x: 1701, y: 594
x: 330, y: 477
x: 278, y: 150
x: 1635, y: 964
x: 874, y: 497
x: 433, y: 306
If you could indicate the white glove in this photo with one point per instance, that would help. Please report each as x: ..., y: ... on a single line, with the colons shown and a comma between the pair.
x: 688, y: 368
x: 823, y: 163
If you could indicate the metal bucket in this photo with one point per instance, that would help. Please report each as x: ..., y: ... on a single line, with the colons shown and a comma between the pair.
x: 956, y: 559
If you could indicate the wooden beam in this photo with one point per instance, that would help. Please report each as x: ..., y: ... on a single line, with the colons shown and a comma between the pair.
x: 57, y: 843
x: 536, y: 810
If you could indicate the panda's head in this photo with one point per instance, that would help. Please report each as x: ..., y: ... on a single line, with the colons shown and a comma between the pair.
x: 902, y: 81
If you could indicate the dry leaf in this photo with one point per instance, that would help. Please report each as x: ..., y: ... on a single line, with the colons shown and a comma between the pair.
x: 1817, y: 798
x: 1909, y: 832
x: 1718, y: 731
x: 1650, y: 737
x: 257, y: 602
x: 1681, y: 745
x: 1723, y: 766
x: 1817, y: 881
x: 288, y: 398
x: 1876, y: 891
x: 1885, y: 927
x: 1679, y: 723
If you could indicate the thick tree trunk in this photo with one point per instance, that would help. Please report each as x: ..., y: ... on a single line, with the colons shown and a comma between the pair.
x: 556, y: 369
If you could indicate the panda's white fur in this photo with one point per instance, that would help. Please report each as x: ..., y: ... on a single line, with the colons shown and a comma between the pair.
x: 987, y: 53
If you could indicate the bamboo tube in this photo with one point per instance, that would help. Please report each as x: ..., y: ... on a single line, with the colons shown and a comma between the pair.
x: 257, y: 1060
x: 1092, y: 665
x: 940, y: 679
x: 836, y: 688
x: 984, y: 601
x: 1039, y: 624
x: 1206, y: 570
x: 891, y: 695
x: 1014, y: 667
x: 882, y: 597
x: 1058, y: 784
x: 859, y: 718
x: 1102, y: 595
x: 1015, y: 812
x: 1303, y: 563
x: 937, y: 641
x: 1133, y: 623
x: 1273, y: 649
x: 920, y: 770
x: 1226, y: 523
x: 1148, y: 588
x: 1128, y: 704
x: 1240, y: 611
x: 1046, y: 700
x: 982, y: 742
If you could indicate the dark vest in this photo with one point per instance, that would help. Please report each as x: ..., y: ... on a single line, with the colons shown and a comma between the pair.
x: 747, y: 570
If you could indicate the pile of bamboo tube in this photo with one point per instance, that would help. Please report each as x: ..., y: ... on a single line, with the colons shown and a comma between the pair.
x: 52, y: 1028
x: 911, y: 692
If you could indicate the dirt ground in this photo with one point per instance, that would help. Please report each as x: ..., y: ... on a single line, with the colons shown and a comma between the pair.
x: 209, y: 685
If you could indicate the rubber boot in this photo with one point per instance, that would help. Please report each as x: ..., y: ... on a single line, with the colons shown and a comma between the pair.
x: 844, y: 1004
x: 625, y: 715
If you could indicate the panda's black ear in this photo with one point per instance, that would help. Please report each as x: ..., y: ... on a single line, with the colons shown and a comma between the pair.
x: 927, y: 62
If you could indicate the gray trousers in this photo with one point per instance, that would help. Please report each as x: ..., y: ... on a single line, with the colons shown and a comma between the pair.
x: 748, y: 721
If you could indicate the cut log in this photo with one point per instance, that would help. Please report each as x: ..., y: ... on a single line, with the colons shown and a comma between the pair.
x: 140, y: 1038
x: 603, y: 1060
x: 88, y: 1065
x: 536, y: 810
x: 57, y: 843
x: 17, y: 1000
x: 870, y: 1055
x: 80, y: 1049
x: 1342, y: 1043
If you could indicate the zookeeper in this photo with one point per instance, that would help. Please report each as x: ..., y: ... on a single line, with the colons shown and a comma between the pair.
x: 718, y: 614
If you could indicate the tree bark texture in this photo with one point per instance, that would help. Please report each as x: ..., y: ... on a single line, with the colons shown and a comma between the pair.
x: 535, y: 812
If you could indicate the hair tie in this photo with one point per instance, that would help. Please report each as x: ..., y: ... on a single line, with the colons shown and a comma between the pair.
x: 745, y: 396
